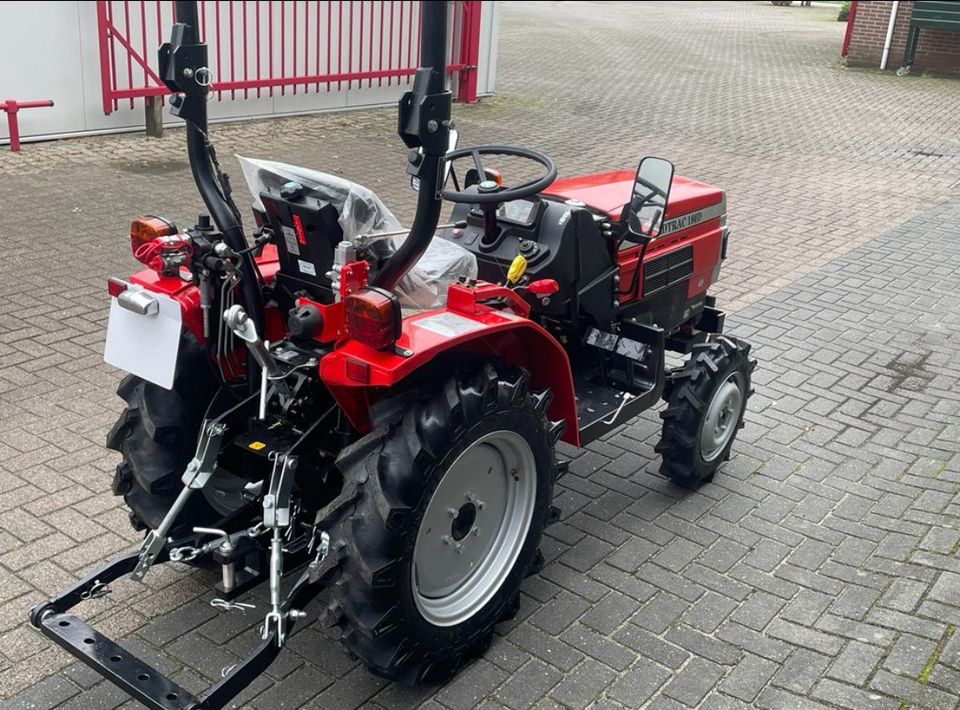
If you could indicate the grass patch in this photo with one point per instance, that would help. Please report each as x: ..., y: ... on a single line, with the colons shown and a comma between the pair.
x: 924, y: 676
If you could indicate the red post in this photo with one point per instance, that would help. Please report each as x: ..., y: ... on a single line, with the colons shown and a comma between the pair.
x: 103, y: 37
x: 12, y: 106
x: 849, y: 31
x: 469, y: 51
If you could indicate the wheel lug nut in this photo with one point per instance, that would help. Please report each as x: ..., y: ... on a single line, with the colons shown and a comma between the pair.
x: 453, y: 512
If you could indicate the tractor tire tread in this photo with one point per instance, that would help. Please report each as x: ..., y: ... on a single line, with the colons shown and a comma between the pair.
x: 387, y: 473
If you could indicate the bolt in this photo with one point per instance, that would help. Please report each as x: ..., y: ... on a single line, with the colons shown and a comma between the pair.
x: 453, y: 512
x: 459, y: 548
x: 432, y: 125
x: 297, y: 614
x: 188, y: 72
x: 447, y: 540
x: 476, y: 531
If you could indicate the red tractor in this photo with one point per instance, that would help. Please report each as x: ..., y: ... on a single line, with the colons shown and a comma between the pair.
x: 295, y: 415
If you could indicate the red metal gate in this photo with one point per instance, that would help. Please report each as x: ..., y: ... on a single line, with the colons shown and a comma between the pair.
x: 262, y: 47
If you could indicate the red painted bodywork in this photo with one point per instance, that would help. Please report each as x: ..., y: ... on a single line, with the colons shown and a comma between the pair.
x: 609, y: 192
x: 189, y: 296
x: 496, y: 333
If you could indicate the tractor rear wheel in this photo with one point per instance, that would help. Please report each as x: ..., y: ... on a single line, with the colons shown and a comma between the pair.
x: 157, y: 436
x: 706, y: 399
x: 455, y: 486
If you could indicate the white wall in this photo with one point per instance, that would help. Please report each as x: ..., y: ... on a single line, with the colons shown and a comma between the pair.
x: 50, y: 51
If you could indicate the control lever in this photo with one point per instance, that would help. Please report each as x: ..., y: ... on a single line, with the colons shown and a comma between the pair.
x: 365, y: 240
x: 239, y: 322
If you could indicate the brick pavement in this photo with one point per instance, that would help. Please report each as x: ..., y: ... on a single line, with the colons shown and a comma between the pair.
x: 819, y: 570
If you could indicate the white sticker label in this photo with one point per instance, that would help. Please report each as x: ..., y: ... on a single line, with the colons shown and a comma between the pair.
x: 448, y: 324
x: 306, y: 267
x: 290, y: 237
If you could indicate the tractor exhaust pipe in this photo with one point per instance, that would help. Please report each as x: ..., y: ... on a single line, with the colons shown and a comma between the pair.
x: 424, y: 122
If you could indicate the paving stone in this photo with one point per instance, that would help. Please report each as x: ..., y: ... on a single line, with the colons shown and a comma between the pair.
x: 748, y: 677
x: 637, y: 685
x: 696, y: 679
x: 528, y: 685
x: 580, y: 687
x: 855, y: 663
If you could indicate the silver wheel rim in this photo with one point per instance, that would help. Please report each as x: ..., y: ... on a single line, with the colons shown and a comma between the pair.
x: 723, y: 415
x: 474, y: 528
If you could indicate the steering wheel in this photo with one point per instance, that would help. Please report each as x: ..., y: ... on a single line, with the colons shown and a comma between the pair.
x: 526, y: 189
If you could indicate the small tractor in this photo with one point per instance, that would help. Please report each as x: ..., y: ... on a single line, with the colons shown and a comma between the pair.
x: 343, y: 409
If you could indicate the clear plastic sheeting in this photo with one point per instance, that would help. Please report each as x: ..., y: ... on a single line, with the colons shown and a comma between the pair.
x: 362, y: 212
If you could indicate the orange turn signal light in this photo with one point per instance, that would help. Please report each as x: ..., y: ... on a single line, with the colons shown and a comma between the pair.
x: 372, y: 316
x: 147, y: 228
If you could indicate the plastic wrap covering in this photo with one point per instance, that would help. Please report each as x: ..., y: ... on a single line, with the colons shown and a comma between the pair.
x: 362, y: 212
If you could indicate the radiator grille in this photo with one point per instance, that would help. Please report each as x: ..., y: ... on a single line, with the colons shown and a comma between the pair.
x: 667, y: 270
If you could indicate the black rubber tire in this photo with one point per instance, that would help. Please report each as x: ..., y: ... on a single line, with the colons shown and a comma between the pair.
x: 688, y: 392
x: 157, y: 436
x: 394, y: 471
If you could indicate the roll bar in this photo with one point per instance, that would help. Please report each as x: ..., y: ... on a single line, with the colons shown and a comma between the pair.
x: 184, y: 69
x: 424, y: 126
x: 424, y: 123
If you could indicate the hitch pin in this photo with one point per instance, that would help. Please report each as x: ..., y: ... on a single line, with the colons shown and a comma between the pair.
x: 97, y: 590
x: 231, y: 606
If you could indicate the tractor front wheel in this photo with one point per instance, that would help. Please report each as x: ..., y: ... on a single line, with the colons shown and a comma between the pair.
x: 706, y: 399
x: 455, y: 487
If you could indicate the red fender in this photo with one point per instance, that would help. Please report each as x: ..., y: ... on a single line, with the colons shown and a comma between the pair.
x: 358, y: 375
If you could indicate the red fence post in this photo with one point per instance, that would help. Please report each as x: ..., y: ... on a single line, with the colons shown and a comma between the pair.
x: 469, y: 51
x: 851, y: 16
x: 12, y: 106
x: 103, y: 38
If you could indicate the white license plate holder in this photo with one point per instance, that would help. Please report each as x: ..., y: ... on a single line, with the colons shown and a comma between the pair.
x: 147, y: 344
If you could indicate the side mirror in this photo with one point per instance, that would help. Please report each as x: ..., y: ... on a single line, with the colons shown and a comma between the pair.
x: 651, y: 189
x: 451, y: 146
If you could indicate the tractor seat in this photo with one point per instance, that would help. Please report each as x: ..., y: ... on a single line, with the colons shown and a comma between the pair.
x: 339, y: 209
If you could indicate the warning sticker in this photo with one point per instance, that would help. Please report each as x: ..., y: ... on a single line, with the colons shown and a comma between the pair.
x: 448, y: 324
x: 306, y: 267
x: 290, y: 238
x: 256, y: 445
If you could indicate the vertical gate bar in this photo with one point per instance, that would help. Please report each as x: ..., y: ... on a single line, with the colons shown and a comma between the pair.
x: 306, y: 41
x: 409, y: 64
x: 329, y: 35
x: 350, y: 48
x: 469, y: 51
x: 202, y: 30
x: 283, y: 47
x: 257, y: 29
x: 246, y: 70
x: 216, y: 19
x: 233, y: 53
x: 419, y: 31
x: 159, y: 23
x: 339, y: 42
x: 103, y: 45
x: 399, y: 42
x: 270, y: 43
x: 126, y: 33
x: 143, y: 39
x: 383, y: 7
x: 293, y: 54
x: 317, y: 49
x: 370, y: 52
x: 113, y: 54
